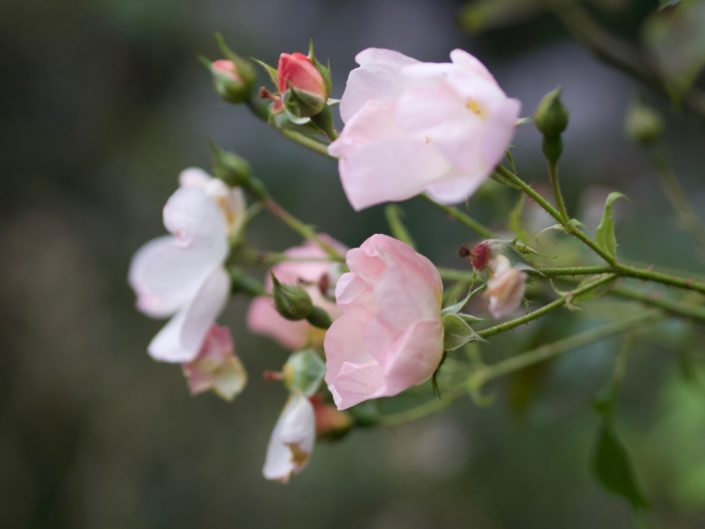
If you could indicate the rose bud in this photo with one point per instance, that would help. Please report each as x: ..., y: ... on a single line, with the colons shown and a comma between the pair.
x: 643, y: 124
x: 301, y: 85
x: 291, y: 301
x: 307, y: 266
x: 389, y: 336
x: 228, y: 81
x: 506, y: 287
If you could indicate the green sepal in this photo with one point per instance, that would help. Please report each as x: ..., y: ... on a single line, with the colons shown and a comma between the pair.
x: 270, y: 71
x: 304, y: 371
x: 456, y: 333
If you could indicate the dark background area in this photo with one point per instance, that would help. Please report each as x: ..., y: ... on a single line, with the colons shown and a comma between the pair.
x: 103, y: 103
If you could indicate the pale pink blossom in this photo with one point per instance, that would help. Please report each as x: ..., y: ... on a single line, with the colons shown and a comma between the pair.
x: 292, y: 440
x: 414, y: 127
x: 216, y: 367
x: 390, y: 335
x: 505, y: 288
x: 310, y: 269
x: 183, y: 275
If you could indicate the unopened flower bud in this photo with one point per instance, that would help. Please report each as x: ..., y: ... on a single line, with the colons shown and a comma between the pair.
x: 301, y: 85
x: 480, y: 255
x: 292, y: 302
x: 230, y: 168
x: 228, y: 82
x: 304, y: 371
x: 643, y: 124
x: 506, y: 287
x: 331, y: 424
x: 551, y: 117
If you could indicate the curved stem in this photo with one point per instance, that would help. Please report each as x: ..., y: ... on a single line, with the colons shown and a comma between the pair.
x: 309, y: 143
x: 427, y: 408
x: 546, y: 205
x: 551, y: 350
x: 301, y: 228
x: 461, y: 217
x: 511, y: 324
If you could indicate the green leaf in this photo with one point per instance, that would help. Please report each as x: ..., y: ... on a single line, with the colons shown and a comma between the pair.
x: 675, y: 38
x: 271, y: 71
x: 613, y: 467
x: 604, y: 236
x: 457, y: 333
x: 515, y: 220
x: 457, y: 307
x: 395, y: 215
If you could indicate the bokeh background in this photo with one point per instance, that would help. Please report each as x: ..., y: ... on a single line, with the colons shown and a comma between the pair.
x: 103, y: 103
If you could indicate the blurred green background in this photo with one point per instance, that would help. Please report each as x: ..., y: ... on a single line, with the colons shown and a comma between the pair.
x: 103, y: 103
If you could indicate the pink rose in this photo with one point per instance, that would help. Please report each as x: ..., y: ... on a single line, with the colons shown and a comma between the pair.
x: 390, y: 335
x: 506, y: 287
x: 264, y: 319
x: 216, y: 367
x: 414, y: 127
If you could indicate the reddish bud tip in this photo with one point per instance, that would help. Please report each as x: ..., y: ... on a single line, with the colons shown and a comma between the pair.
x: 226, y: 68
x: 480, y: 255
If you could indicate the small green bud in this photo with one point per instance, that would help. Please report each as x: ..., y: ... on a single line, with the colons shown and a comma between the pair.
x: 551, y: 117
x: 304, y: 371
x: 552, y: 148
x: 643, y: 124
x: 292, y: 302
x: 234, y: 77
x: 319, y: 318
x: 230, y: 168
x: 229, y: 83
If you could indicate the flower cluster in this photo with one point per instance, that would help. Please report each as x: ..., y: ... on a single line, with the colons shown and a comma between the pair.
x: 359, y: 324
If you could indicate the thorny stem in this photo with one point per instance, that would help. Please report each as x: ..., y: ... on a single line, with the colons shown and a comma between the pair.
x: 551, y: 350
x: 556, y: 186
x: 526, y: 318
x: 569, y: 226
x: 621, y: 269
x: 485, y: 374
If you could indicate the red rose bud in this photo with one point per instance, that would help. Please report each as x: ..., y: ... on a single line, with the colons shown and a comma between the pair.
x: 301, y: 85
x: 480, y: 255
x: 230, y: 84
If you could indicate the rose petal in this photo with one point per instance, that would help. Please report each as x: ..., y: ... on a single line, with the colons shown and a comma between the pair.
x: 181, y: 339
x: 378, y: 78
x: 292, y: 440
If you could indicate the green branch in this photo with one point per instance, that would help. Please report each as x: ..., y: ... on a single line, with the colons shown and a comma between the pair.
x: 461, y: 217
x: 511, y: 324
x: 551, y: 350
